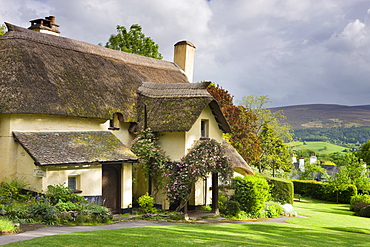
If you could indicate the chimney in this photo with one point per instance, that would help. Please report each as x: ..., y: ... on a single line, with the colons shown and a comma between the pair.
x: 184, y: 57
x: 46, y: 25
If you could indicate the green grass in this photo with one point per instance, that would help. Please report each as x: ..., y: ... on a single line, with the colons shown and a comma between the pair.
x: 7, y: 226
x: 329, y: 225
x: 317, y: 147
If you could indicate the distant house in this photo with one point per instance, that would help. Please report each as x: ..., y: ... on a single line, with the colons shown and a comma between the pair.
x: 69, y: 110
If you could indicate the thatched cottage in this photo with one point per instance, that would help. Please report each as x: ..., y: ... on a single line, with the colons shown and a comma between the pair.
x: 69, y: 109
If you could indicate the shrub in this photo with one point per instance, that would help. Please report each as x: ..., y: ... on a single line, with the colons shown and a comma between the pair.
x: 358, y: 202
x: 232, y: 208
x: 45, y: 213
x: 11, y: 190
x: 273, y: 210
x: 146, y: 204
x: 323, y: 191
x: 100, y: 214
x: 68, y: 206
x: 56, y: 193
x: 365, y: 212
x: 251, y: 192
x: 7, y: 226
x: 206, y: 208
x: 282, y: 190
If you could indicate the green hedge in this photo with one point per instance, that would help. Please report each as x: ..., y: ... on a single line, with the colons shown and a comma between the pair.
x: 251, y: 192
x: 282, y: 190
x: 358, y: 202
x: 323, y: 191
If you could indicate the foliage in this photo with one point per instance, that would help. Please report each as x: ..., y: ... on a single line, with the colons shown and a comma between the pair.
x: 12, y: 190
x: 68, y: 206
x: 2, y: 29
x: 151, y: 156
x: 275, y: 154
x: 231, y: 208
x: 45, y: 213
x: 7, y: 226
x: 146, y: 204
x: 323, y: 191
x: 242, y: 122
x: 273, y: 210
x: 282, y: 190
x: 359, y: 201
x: 61, y: 193
x: 205, y: 157
x: 133, y: 41
x: 364, y: 152
x: 273, y: 119
x: 312, y: 172
x: 251, y: 192
x: 206, y: 208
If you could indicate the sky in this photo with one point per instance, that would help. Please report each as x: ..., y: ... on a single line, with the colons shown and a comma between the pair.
x: 296, y: 52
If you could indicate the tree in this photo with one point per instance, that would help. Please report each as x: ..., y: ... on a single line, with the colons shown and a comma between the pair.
x: 275, y: 155
x: 2, y: 29
x: 364, y: 152
x: 133, y: 41
x: 273, y: 119
x: 242, y: 122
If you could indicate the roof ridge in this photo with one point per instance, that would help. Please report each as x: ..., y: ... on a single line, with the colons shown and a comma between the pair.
x: 15, y: 32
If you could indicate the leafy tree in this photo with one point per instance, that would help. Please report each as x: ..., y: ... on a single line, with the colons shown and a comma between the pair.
x: 364, y: 152
x: 2, y: 29
x: 133, y: 41
x: 273, y: 119
x: 313, y: 172
x: 275, y: 155
x: 242, y: 122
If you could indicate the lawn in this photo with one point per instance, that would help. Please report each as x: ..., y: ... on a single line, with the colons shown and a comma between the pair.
x: 329, y: 225
x: 317, y: 147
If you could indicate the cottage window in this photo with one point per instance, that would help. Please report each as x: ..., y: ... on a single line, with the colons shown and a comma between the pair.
x: 114, y: 123
x: 73, y: 183
x: 204, y: 129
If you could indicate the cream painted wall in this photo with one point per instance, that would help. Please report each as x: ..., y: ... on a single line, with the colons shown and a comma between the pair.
x: 126, y: 191
x: 173, y: 143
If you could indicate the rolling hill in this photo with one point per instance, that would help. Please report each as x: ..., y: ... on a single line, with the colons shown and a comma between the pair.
x: 325, y: 116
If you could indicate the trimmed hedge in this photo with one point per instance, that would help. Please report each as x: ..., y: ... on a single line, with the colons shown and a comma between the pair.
x: 251, y: 192
x: 282, y: 190
x: 358, y: 202
x: 323, y: 191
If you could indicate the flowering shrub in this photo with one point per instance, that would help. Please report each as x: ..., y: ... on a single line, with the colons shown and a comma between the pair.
x: 150, y: 154
x: 206, y: 156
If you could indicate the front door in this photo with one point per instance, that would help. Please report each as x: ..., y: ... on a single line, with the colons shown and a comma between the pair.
x: 111, y: 191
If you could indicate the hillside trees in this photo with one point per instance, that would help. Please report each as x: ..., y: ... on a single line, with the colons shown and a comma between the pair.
x: 133, y: 41
x: 364, y: 152
x: 243, y: 124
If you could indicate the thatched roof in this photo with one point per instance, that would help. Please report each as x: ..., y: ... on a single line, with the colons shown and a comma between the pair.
x: 47, y: 74
x: 176, y: 107
x: 71, y: 148
x: 237, y: 161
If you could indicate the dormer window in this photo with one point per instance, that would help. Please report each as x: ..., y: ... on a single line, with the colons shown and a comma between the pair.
x: 115, y: 122
x: 204, y: 126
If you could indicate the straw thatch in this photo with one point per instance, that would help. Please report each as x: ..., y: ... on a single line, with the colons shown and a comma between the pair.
x: 176, y: 107
x: 47, y: 74
x: 71, y: 148
x: 237, y: 161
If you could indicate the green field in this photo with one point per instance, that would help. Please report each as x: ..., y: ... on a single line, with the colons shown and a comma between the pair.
x: 317, y: 147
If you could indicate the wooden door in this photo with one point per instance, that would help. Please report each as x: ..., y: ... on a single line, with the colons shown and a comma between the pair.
x: 111, y: 191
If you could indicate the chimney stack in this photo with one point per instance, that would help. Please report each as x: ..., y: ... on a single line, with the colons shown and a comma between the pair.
x: 184, y: 57
x: 46, y: 25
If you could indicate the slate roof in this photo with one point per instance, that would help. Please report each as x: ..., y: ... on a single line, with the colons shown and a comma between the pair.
x: 237, y: 161
x: 176, y: 107
x: 71, y: 148
x: 47, y: 74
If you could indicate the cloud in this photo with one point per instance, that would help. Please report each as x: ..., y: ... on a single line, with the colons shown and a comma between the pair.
x: 297, y: 52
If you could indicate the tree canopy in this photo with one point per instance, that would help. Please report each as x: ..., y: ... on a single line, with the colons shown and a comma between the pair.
x: 133, y: 41
x: 242, y: 122
x: 2, y: 29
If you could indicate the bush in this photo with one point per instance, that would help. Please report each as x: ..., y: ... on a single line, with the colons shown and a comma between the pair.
x: 56, y: 193
x: 68, y: 206
x: 282, y: 190
x: 273, y: 210
x: 358, y: 202
x: 365, y: 212
x: 7, y: 226
x: 251, y: 192
x: 231, y: 208
x: 146, y: 204
x: 323, y: 191
x: 44, y: 213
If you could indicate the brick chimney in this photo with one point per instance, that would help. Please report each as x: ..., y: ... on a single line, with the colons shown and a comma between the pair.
x: 46, y: 25
x: 184, y: 57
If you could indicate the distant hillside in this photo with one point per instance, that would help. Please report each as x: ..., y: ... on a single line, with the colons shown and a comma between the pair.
x: 325, y: 116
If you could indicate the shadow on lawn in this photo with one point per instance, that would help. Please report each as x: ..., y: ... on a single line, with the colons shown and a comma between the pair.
x: 350, y: 229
